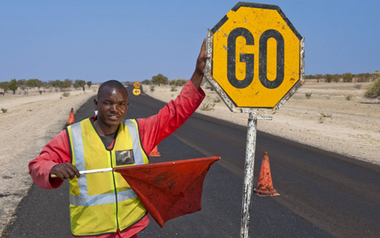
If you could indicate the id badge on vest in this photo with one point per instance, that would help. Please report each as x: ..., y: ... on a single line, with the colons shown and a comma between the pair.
x: 124, y: 157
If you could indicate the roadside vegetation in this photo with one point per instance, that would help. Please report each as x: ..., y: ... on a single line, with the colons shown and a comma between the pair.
x: 13, y: 85
x: 344, y: 78
x: 373, y: 91
x: 160, y: 79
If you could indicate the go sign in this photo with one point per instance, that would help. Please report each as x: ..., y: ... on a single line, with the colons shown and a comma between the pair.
x: 257, y: 56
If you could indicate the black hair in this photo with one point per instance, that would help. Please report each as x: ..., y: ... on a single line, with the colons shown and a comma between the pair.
x: 112, y: 84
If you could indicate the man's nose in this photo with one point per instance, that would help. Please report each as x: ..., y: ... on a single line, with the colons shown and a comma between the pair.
x: 113, y: 107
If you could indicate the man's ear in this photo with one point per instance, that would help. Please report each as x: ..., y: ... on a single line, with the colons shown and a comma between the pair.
x: 96, y: 103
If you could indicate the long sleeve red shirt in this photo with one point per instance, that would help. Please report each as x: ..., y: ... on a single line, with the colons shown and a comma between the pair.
x: 152, y: 130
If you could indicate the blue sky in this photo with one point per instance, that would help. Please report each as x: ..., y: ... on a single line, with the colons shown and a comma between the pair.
x: 135, y: 40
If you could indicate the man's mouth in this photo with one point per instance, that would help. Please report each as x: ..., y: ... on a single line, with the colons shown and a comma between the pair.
x: 113, y: 117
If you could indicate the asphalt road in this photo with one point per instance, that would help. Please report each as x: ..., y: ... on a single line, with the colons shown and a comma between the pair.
x: 322, y: 194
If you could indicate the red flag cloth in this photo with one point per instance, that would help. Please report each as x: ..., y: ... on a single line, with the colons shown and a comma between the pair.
x: 169, y: 189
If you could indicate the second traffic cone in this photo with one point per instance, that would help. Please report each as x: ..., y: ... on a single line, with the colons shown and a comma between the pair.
x: 265, y: 184
x: 71, y: 117
x: 154, y: 152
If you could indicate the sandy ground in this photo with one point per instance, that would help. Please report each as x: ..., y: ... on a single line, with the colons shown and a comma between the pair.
x: 336, y: 118
x: 30, y: 122
x: 327, y: 120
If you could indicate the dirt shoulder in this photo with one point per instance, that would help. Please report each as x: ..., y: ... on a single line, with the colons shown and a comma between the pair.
x: 30, y: 121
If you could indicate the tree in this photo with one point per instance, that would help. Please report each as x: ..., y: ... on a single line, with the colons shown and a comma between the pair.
x: 67, y: 83
x: 178, y: 82
x: 160, y: 79
x: 364, y: 77
x: 13, y: 86
x: 336, y: 78
x: 89, y: 83
x: 4, y: 86
x: 54, y: 83
x: 146, y: 81
x: 318, y: 77
x: 79, y: 83
x: 21, y: 82
x: 328, y: 78
x: 374, y: 90
x: 63, y: 84
x: 32, y: 83
x: 347, y: 77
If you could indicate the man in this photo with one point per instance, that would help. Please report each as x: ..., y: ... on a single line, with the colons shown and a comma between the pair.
x: 103, y: 204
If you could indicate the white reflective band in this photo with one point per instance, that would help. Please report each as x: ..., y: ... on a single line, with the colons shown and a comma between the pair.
x: 77, y: 139
x: 135, y: 140
x: 125, y: 195
x: 107, y: 198
x: 76, y: 132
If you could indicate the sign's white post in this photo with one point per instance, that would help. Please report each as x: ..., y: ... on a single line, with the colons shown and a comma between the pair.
x: 248, y: 174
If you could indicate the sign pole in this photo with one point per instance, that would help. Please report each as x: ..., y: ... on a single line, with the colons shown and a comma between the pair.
x: 248, y: 174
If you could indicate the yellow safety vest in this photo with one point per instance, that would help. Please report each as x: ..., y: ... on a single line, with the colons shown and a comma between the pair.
x: 103, y: 202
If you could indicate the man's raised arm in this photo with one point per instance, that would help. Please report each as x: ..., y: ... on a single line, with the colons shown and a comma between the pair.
x: 198, y: 74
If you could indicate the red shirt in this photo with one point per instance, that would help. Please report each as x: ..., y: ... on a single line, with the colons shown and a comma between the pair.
x: 152, y: 130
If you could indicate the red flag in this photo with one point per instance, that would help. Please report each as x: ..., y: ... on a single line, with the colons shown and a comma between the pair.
x: 169, y: 189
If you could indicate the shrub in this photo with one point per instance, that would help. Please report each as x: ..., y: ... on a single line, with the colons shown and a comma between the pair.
x: 151, y: 88
x: 207, y: 106
x: 4, y: 110
x: 178, y: 82
x: 308, y: 95
x: 173, y: 88
x: 323, y: 117
x: 348, y: 97
x: 374, y: 90
x: 66, y: 94
x: 217, y: 99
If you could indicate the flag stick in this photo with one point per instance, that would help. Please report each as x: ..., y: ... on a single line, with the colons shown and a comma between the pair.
x: 87, y: 172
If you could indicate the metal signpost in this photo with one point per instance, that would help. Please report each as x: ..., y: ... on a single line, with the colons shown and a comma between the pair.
x: 256, y: 65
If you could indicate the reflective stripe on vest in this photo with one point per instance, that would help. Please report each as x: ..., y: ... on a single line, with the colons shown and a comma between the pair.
x: 86, y: 200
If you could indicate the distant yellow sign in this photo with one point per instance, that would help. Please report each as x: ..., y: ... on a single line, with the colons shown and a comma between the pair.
x: 136, y: 91
x: 136, y: 84
x: 256, y: 55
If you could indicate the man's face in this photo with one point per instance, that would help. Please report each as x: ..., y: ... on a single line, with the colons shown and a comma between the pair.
x: 112, y: 106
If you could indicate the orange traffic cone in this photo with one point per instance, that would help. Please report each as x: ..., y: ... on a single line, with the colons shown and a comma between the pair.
x: 264, y: 185
x: 71, y: 117
x: 154, y: 152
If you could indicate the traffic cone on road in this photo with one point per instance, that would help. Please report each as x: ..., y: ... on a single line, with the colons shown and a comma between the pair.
x: 154, y: 152
x: 71, y: 117
x: 265, y: 185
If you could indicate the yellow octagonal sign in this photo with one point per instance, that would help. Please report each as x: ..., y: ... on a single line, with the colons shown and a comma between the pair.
x: 257, y: 57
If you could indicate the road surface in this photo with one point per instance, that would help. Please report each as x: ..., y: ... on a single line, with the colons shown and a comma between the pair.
x: 322, y: 194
